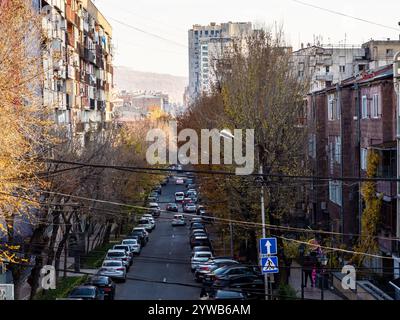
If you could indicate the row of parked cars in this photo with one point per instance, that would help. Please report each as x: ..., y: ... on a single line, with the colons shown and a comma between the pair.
x: 118, y: 260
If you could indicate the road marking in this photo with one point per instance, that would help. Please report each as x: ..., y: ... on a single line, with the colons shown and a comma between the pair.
x: 167, y: 265
x: 170, y: 252
x: 164, y: 280
x: 173, y: 236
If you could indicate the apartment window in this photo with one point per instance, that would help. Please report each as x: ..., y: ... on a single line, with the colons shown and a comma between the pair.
x: 389, y: 52
x: 375, y: 106
x: 342, y: 69
x: 364, y: 107
x: 338, y: 149
x: 333, y: 108
x: 335, y: 192
x: 327, y: 69
x: 204, y: 48
x: 363, y: 158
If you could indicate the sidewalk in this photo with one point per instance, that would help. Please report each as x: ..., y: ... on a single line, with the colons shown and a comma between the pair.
x: 309, y: 292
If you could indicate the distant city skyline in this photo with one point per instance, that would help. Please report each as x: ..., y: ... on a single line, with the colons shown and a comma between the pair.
x: 152, y: 35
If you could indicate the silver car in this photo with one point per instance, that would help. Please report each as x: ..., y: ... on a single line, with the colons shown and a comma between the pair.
x: 127, y: 248
x: 115, y: 269
x: 199, y: 257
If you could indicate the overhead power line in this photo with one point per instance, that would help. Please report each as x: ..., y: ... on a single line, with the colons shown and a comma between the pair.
x: 345, y: 15
x: 149, y: 33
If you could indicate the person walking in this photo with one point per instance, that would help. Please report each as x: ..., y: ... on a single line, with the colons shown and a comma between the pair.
x: 307, y: 269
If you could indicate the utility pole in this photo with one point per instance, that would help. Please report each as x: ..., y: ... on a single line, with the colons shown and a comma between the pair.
x: 268, y: 294
x: 396, y: 75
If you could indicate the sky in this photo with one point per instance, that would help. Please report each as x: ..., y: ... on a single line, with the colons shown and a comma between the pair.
x: 160, y: 44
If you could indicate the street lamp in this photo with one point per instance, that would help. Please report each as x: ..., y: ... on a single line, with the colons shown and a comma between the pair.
x: 227, y: 134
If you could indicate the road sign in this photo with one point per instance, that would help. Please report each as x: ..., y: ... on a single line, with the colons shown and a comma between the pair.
x: 269, y: 265
x: 268, y: 246
x: 6, y: 291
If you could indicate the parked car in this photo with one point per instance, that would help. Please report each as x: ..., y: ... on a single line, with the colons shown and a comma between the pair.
x: 196, y: 220
x: 153, y: 199
x: 86, y: 293
x: 127, y: 249
x: 198, y: 232
x: 252, y: 285
x: 141, y: 237
x: 172, y: 207
x: 134, y: 244
x: 200, y: 241
x: 227, y: 295
x: 105, y: 284
x: 201, y: 248
x: 144, y: 231
x: 122, y: 255
x: 197, y: 225
x: 179, y: 196
x: 198, y: 257
x: 115, y: 269
x: 211, y: 265
x: 222, y: 275
x: 146, y: 223
x: 180, y: 181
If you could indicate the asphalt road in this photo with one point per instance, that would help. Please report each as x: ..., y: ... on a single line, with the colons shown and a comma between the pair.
x: 165, y: 258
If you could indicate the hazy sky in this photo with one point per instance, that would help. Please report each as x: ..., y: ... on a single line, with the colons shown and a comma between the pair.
x: 172, y: 18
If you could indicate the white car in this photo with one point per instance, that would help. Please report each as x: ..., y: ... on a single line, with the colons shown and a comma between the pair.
x: 179, y: 181
x: 189, y: 207
x: 134, y: 244
x: 141, y: 228
x: 179, y: 196
x: 115, y: 269
x: 199, y: 257
x: 178, y: 220
x: 154, y: 205
x: 119, y: 255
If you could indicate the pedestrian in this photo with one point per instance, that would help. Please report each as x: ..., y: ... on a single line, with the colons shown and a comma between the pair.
x: 307, y: 269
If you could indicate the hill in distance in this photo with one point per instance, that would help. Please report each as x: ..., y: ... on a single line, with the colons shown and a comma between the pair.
x: 127, y: 79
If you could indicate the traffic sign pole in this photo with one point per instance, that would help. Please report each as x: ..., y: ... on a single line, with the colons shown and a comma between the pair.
x: 264, y: 235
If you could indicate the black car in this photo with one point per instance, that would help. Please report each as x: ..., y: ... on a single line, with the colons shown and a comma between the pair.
x: 86, y: 293
x: 252, y: 285
x: 140, y: 235
x: 197, y: 225
x: 200, y: 241
x: 220, y: 277
x: 103, y: 283
x: 172, y: 207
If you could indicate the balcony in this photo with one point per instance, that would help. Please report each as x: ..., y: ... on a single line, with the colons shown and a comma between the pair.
x: 89, y: 55
x: 324, y: 77
x: 69, y: 13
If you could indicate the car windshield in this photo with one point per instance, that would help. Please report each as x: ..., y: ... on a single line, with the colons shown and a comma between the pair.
x: 220, y: 271
x: 112, y: 264
x: 203, y: 255
x: 115, y: 254
x: 121, y: 247
x: 179, y: 194
x: 99, y: 281
x: 82, y: 292
x: 130, y: 242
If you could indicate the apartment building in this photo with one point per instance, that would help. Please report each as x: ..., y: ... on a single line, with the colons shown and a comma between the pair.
x: 325, y: 65
x: 207, y: 44
x: 78, y: 65
x: 345, y: 122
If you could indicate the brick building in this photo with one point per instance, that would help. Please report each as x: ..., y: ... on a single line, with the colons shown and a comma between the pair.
x: 344, y: 122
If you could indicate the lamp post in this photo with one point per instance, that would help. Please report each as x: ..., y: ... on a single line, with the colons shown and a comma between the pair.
x: 228, y: 135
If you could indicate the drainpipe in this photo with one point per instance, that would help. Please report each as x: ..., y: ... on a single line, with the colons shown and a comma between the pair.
x: 358, y: 148
x: 396, y: 75
x: 339, y: 105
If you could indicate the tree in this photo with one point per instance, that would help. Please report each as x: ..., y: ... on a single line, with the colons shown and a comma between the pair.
x: 24, y: 125
x: 371, y: 214
x: 256, y: 89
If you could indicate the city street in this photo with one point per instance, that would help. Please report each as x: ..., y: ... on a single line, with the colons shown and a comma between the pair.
x: 165, y: 258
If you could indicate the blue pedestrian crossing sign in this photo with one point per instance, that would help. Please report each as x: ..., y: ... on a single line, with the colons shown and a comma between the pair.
x: 269, y: 265
x: 268, y: 247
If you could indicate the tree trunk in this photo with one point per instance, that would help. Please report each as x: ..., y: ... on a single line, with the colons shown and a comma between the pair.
x: 106, y: 238
x: 61, y: 246
x: 56, y: 227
